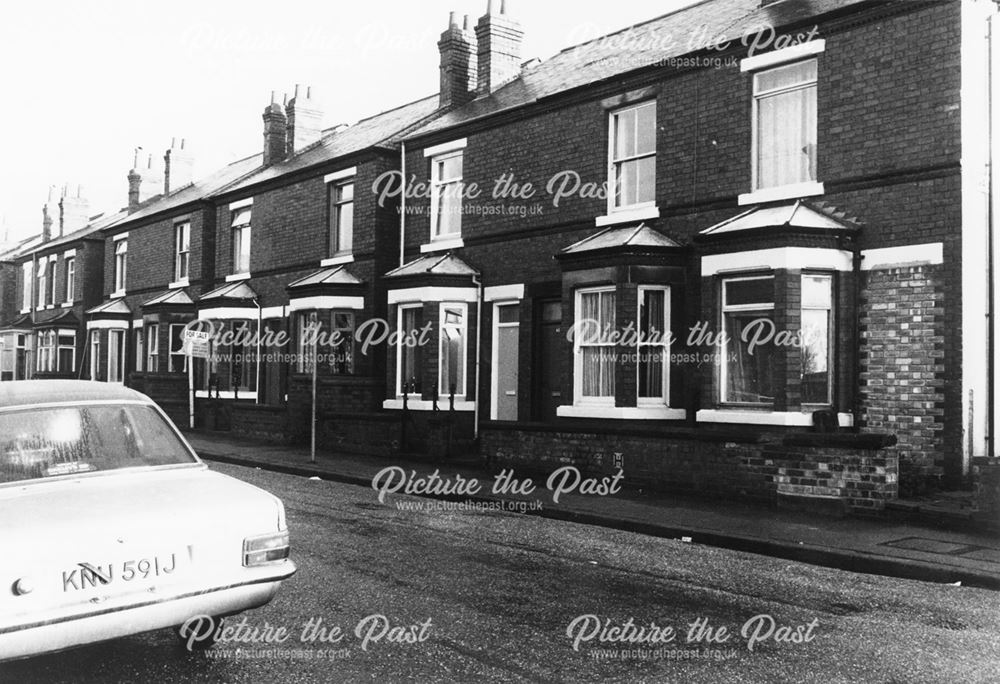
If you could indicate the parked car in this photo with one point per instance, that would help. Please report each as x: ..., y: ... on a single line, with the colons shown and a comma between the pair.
x: 112, y: 526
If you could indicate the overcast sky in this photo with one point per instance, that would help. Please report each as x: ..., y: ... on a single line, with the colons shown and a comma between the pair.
x: 84, y: 83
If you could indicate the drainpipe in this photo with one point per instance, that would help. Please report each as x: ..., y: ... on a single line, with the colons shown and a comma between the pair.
x: 402, y: 202
x: 990, y: 303
x: 260, y: 332
x: 856, y: 334
x: 479, y: 338
x: 32, y: 305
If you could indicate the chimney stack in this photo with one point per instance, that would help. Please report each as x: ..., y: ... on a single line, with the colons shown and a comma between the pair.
x: 499, y: 54
x: 458, y: 63
x: 275, y: 125
x: 49, y: 212
x: 305, y: 121
x: 74, y: 210
x: 178, y: 167
x: 143, y: 180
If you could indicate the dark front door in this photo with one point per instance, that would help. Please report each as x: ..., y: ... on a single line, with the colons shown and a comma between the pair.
x: 548, y: 362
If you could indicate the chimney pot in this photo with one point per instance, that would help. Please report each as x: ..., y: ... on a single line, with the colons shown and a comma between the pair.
x: 305, y: 121
x: 457, y: 47
x: 275, y: 133
x: 498, y: 39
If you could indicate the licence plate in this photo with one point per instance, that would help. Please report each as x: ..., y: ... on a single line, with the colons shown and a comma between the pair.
x: 88, y: 575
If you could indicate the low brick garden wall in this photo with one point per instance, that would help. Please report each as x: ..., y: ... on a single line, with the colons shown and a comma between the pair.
x: 835, y: 472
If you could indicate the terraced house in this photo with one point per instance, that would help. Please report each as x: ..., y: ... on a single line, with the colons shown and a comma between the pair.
x: 744, y: 248
x: 796, y: 236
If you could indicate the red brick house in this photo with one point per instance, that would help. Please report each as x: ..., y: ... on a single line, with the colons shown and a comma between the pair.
x: 801, y: 177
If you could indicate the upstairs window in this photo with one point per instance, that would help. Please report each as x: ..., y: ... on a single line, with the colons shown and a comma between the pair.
x: 747, y: 369
x: 341, y: 198
x: 446, y: 195
x: 70, y: 279
x: 241, y: 240
x: 121, y: 264
x: 784, y: 110
x: 50, y: 296
x: 43, y: 272
x: 632, y: 167
x: 182, y: 251
x: 26, y: 286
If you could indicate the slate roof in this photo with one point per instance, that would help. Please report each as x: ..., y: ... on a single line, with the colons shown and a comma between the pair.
x: 375, y: 131
x: 798, y: 214
x: 334, y: 275
x: 239, y: 290
x: 434, y: 264
x: 177, y: 297
x: 112, y: 306
x: 628, y: 236
x: 630, y: 49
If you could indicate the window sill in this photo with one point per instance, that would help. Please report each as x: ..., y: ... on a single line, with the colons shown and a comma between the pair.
x: 627, y: 215
x: 782, y: 192
x: 427, y: 405
x: 67, y: 304
x: 787, y: 418
x: 116, y: 294
x: 177, y: 284
x: 224, y: 394
x: 235, y: 277
x: 442, y: 244
x: 337, y: 259
x: 24, y: 311
x: 622, y: 412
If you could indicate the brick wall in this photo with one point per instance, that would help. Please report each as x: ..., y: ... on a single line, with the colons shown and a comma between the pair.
x: 902, y: 364
x: 774, y: 469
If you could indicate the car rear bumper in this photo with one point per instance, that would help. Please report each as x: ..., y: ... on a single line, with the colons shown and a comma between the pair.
x: 118, y: 621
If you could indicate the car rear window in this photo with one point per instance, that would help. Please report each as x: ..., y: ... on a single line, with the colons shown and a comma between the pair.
x: 39, y: 443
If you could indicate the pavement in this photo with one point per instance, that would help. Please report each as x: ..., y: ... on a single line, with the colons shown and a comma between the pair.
x: 894, y: 546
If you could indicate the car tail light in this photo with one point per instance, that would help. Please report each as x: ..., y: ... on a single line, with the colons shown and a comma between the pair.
x: 266, y: 548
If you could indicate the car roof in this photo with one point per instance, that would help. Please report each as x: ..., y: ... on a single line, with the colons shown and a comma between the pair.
x: 35, y: 392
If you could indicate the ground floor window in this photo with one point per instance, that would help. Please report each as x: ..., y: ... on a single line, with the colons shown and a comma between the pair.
x: 817, y: 339
x: 46, y: 345
x: 653, y: 345
x: 331, y: 335
x: 116, y: 356
x: 594, y: 348
x: 153, y: 348
x: 409, y: 356
x: 178, y: 359
x: 66, y: 354
x: 453, y: 334
x: 95, y: 354
x: 137, y: 337
x: 747, y: 369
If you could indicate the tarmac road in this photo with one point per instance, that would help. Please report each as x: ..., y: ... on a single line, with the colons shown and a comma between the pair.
x: 436, y: 595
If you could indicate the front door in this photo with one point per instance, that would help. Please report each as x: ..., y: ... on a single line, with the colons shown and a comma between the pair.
x: 506, y: 341
x: 549, y: 384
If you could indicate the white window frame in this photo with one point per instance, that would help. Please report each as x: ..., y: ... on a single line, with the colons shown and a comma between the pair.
x: 399, y: 348
x: 182, y: 251
x: 42, y: 282
x: 152, y: 348
x: 725, y: 308
x: 664, y: 345
x: 578, y: 398
x: 46, y: 345
x: 830, y: 335
x: 27, y: 280
x: 140, y: 340
x: 335, y: 207
x: 245, y: 236
x: 438, y: 185
x: 59, y: 347
x: 116, y: 355
x: 50, y: 296
x: 176, y: 352
x: 799, y: 189
x: 613, y: 162
x: 121, y: 267
x: 95, y: 354
x: 444, y: 391
x: 70, y: 285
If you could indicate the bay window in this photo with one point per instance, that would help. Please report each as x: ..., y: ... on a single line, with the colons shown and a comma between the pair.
x: 747, y: 369
x: 817, y: 330
x: 152, y: 348
x: 593, y: 346
x: 46, y: 351
x: 784, y: 111
x: 116, y: 356
x: 452, y: 340
x: 331, y: 334
x: 653, y: 345
x: 178, y: 359
x: 409, y: 355
x: 67, y: 351
x: 95, y: 354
